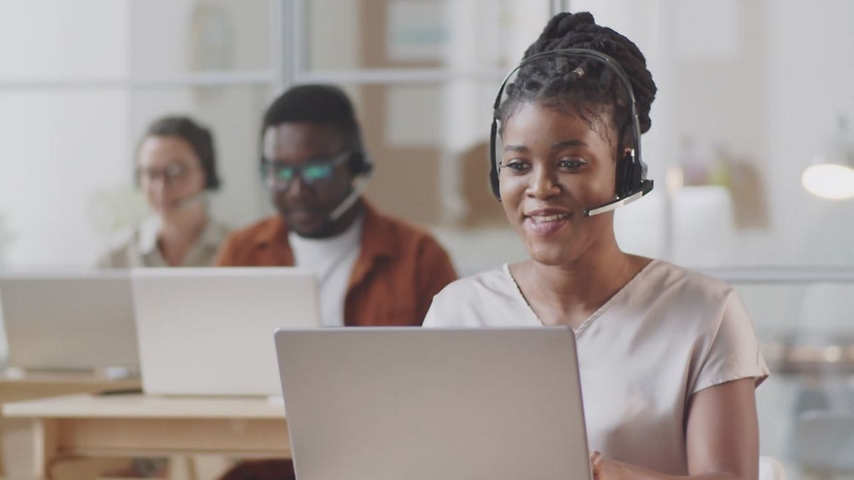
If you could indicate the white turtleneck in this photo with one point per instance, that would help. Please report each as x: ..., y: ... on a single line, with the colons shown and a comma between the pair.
x: 332, y: 259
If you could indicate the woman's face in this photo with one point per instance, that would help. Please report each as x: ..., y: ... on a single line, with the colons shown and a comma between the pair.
x: 554, y: 166
x: 170, y: 173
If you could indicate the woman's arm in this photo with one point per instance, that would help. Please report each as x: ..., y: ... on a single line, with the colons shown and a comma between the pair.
x: 722, y: 437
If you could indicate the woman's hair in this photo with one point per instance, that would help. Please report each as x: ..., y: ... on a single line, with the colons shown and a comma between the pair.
x: 593, y: 91
x: 199, y: 138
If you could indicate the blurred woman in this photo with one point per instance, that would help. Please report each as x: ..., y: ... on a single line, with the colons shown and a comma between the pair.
x: 175, y: 167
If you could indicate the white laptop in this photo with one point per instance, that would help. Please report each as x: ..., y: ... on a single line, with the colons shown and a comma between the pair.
x: 419, y: 404
x: 69, y: 321
x: 206, y: 331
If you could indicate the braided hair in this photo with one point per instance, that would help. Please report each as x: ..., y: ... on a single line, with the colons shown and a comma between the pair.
x: 592, y: 89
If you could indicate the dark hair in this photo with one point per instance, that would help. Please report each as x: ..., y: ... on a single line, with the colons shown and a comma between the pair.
x: 591, y: 91
x: 321, y: 104
x: 199, y: 138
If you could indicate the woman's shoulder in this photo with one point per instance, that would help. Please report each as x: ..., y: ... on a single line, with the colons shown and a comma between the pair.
x: 663, y: 276
x: 122, y: 245
x: 494, y: 281
x: 679, y: 299
x: 487, y: 298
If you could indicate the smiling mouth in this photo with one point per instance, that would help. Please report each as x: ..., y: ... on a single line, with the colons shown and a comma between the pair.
x: 543, y: 225
x: 548, y: 218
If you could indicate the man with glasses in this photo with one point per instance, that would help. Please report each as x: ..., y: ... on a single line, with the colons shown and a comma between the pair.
x: 372, y: 269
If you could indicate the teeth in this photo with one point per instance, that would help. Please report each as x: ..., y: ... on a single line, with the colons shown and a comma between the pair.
x: 548, y: 218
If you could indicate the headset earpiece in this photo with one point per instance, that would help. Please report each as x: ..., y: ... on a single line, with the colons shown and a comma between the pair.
x: 493, y: 160
x: 361, y: 164
x: 628, y: 176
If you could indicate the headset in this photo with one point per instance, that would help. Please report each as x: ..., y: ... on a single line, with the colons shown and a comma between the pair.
x: 362, y: 167
x: 631, y: 182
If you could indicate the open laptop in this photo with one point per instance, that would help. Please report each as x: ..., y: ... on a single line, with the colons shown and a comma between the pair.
x: 69, y: 321
x: 419, y: 404
x: 206, y: 331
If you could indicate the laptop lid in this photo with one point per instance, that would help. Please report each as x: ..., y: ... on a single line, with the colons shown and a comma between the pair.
x: 69, y: 321
x: 206, y: 331
x: 393, y: 403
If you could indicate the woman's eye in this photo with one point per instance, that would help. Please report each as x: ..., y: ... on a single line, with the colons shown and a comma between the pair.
x: 516, y: 166
x: 571, y: 163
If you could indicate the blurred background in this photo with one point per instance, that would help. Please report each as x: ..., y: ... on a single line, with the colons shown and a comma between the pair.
x: 751, y: 94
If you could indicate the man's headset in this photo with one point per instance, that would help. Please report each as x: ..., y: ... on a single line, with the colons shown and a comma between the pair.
x: 362, y: 167
x: 631, y: 181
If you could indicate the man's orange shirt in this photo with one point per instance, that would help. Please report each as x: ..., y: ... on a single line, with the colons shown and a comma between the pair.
x: 399, y: 269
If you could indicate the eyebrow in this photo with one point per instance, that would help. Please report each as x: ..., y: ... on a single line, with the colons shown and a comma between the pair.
x: 515, y: 148
x: 557, y: 146
x: 568, y: 143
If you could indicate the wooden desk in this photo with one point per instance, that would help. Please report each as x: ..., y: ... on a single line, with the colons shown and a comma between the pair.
x: 41, y: 385
x: 136, y: 424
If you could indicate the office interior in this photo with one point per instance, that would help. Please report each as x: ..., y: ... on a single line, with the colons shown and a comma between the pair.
x: 751, y: 94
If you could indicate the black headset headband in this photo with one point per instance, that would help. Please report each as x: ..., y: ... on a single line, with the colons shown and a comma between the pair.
x: 642, y: 185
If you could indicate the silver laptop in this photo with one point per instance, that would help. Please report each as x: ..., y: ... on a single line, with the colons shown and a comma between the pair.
x: 69, y: 321
x: 419, y: 404
x: 206, y: 331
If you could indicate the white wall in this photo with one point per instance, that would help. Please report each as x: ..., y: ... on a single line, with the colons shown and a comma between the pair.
x: 59, y: 146
x: 811, y: 73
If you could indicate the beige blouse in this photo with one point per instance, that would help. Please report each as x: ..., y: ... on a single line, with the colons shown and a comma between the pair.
x: 664, y: 336
x: 140, y: 249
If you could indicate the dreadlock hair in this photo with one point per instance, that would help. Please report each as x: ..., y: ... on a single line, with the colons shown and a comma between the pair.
x: 588, y: 86
x: 198, y: 137
x: 320, y: 104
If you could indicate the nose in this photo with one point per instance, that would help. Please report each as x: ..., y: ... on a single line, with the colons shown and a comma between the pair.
x: 543, y: 183
x: 296, y: 188
x: 156, y: 183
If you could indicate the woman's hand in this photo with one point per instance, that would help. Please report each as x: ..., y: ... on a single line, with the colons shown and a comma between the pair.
x: 604, y: 469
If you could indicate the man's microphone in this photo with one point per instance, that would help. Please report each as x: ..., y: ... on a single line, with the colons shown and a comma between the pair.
x: 360, y: 183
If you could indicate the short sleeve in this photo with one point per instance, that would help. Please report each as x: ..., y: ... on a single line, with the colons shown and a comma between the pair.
x: 734, y: 352
x: 436, y: 311
x: 435, y: 272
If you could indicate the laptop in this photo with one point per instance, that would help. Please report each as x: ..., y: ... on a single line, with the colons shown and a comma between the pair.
x: 69, y: 321
x: 206, y: 331
x: 419, y: 404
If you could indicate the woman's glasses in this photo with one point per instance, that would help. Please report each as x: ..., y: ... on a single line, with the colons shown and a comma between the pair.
x: 280, y: 175
x: 171, y: 174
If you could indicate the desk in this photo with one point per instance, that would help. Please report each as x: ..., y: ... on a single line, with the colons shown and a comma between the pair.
x: 40, y: 385
x: 136, y: 424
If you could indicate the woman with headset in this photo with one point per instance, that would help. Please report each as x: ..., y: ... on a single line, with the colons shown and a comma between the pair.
x: 175, y: 166
x: 668, y: 358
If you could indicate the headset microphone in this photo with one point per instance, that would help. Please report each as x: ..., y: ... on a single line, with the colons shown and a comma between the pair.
x: 646, y: 187
x: 360, y: 183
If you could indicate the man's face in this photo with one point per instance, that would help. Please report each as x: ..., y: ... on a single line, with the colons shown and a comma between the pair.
x: 307, y: 194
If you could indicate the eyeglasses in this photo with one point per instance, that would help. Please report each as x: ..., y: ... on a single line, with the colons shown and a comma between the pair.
x: 315, y: 170
x: 171, y: 174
